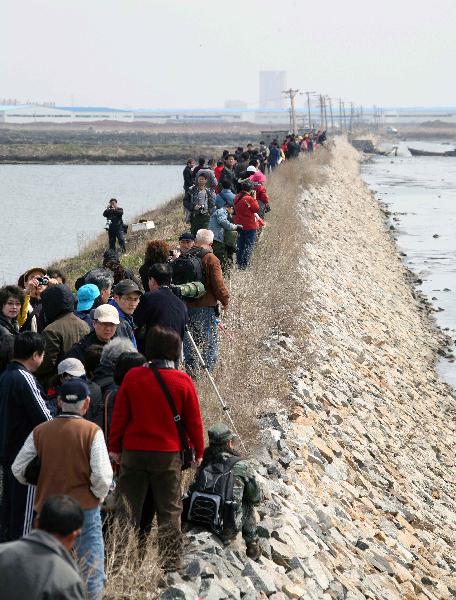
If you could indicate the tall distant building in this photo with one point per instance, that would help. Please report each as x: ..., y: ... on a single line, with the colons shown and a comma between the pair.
x: 272, y: 83
x: 235, y: 104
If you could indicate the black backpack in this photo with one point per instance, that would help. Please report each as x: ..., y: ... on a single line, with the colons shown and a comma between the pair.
x: 188, y: 267
x: 210, y: 503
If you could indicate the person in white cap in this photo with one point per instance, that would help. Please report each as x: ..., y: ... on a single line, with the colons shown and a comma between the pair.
x: 105, y: 322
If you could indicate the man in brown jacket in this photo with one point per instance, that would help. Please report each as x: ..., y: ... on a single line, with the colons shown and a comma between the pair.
x: 75, y: 462
x: 203, y: 312
x: 63, y: 329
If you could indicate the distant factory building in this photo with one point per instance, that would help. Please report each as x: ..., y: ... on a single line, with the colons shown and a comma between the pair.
x: 30, y: 113
x: 86, y: 114
x: 272, y: 84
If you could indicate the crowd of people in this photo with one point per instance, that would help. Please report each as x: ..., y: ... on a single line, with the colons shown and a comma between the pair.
x: 98, y: 406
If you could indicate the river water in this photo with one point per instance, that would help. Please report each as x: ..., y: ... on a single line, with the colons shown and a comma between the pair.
x: 421, y: 194
x: 51, y: 211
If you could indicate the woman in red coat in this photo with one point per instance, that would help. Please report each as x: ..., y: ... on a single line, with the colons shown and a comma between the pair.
x: 145, y: 441
x: 246, y: 214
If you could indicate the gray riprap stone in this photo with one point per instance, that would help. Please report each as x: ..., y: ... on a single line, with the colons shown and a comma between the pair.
x: 193, y: 569
x: 211, y: 589
x: 229, y: 585
x: 270, y: 437
x: 260, y: 578
x: 179, y: 591
x: 281, y: 553
x: 337, y: 470
x: 265, y: 547
x: 388, y: 527
x: 300, y: 545
x: 317, y: 571
x: 337, y: 590
x: 324, y: 519
x: 380, y: 563
x: 235, y: 557
x: 246, y: 587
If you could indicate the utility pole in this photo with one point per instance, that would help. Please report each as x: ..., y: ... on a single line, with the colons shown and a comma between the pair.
x: 308, y: 107
x: 291, y: 94
x: 331, y: 113
x: 351, y: 116
x: 324, y: 113
x: 345, y: 115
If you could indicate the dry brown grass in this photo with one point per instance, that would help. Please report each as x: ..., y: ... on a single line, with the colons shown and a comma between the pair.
x: 265, y: 305
x: 130, y: 572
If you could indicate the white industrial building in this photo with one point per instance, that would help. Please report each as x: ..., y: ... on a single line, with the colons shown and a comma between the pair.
x: 30, y: 113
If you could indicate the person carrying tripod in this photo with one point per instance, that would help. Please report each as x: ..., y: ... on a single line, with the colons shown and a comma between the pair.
x: 116, y: 232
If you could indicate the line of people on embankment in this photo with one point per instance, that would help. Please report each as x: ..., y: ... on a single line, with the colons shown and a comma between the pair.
x: 91, y: 392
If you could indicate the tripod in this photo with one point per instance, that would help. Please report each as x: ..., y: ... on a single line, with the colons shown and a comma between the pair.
x: 211, y: 379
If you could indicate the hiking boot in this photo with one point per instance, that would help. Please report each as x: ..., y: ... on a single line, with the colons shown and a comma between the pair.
x: 253, y: 550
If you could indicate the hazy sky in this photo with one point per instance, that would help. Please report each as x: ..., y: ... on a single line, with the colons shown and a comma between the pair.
x: 175, y: 53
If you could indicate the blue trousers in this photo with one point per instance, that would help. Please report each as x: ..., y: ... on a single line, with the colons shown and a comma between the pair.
x: 116, y: 234
x: 245, y: 245
x: 89, y: 550
x: 202, y: 324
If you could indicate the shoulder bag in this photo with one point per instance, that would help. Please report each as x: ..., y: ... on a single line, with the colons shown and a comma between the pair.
x: 187, y: 453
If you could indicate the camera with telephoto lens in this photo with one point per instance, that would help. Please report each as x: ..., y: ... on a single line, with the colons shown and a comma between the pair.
x: 43, y: 280
x: 191, y: 291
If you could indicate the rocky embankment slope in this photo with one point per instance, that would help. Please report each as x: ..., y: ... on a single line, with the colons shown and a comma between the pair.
x: 358, y: 471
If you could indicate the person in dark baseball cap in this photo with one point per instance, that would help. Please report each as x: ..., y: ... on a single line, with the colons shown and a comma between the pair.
x: 186, y: 241
x: 220, y: 434
x: 73, y: 390
x: 126, y: 286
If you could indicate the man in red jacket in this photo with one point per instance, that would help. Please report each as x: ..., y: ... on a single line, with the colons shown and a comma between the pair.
x: 145, y: 440
x: 247, y: 214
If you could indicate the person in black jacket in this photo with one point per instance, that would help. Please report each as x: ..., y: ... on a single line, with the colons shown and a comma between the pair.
x: 114, y: 214
x: 22, y: 407
x: 188, y: 174
x: 11, y: 301
x: 228, y: 173
x: 160, y: 306
x: 105, y: 321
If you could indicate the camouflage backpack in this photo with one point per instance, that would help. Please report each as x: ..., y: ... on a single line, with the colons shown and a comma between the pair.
x: 211, y: 503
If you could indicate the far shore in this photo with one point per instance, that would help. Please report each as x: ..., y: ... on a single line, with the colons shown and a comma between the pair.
x: 113, y: 143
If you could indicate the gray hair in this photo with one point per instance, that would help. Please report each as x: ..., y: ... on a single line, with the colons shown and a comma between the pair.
x: 114, y: 349
x: 204, y: 236
x: 102, y: 278
x: 73, y: 407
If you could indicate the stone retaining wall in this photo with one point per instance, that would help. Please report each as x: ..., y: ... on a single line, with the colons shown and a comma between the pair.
x: 358, y: 473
